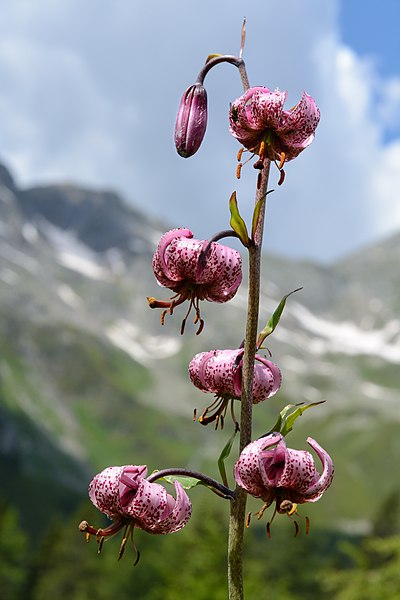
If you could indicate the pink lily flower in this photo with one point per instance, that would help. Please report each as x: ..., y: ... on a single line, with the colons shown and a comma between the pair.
x: 220, y: 372
x: 195, y: 270
x: 267, y: 469
x: 129, y: 500
x: 259, y: 123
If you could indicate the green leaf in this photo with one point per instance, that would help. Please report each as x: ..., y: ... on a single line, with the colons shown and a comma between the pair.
x: 224, y: 455
x: 256, y: 215
x: 286, y: 418
x: 274, y: 320
x: 186, y: 482
x: 289, y: 421
x: 236, y: 222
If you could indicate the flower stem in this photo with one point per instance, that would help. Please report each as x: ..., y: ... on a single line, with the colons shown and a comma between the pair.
x: 221, y: 489
x: 238, y: 504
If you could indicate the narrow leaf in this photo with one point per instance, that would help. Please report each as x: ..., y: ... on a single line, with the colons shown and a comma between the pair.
x: 274, y: 320
x: 256, y: 215
x: 236, y: 222
x: 224, y: 455
x: 289, y: 421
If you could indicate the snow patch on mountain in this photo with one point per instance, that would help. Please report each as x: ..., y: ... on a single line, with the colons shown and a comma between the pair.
x: 141, y: 347
x: 346, y: 337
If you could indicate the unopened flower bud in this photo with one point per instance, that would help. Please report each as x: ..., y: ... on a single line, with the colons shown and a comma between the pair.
x: 191, y: 121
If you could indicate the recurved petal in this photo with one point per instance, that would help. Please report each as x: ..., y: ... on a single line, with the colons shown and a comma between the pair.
x: 267, y: 379
x: 315, y: 491
x: 249, y: 470
x: 298, y: 472
x: 161, y: 266
x: 180, y: 514
x: 148, y: 505
x: 103, y: 491
x: 298, y: 125
x: 129, y: 482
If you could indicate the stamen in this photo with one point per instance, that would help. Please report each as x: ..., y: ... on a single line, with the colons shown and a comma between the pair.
x: 248, y: 519
x: 194, y: 414
x: 269, y: 530
x: 122, y: 547
x: 200, y: 329
x: 296, y: 529
x: 281, y: 177
x: 261, y: 152
x: 239, y: 170
x: 283, y: 159
x: 137, y: 557
x: 239, y: 154
x: 162, y: 317
x: 258, y: 165
x: 101, y: 542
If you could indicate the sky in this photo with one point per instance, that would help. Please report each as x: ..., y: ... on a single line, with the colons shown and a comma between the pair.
x: 89, y: 91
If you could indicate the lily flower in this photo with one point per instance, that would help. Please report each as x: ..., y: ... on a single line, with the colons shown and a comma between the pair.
x: 267, y: 469
x: 195, y: 270
x: 129, y: 500
x: 220, y: 372
x: 191, y: 121
x: 259, y: 123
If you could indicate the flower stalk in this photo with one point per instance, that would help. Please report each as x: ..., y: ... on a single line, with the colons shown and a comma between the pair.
x: 238, y: 504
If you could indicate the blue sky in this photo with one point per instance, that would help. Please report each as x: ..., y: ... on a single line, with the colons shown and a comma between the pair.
x: 89, y: 91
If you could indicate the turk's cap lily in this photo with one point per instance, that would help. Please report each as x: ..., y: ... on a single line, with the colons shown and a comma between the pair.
x: 126, y: 497
x: 220, y: 372
x: 191, y: 121
x: 258, y: 117
x: 267, y: 469
x: 195, y: 270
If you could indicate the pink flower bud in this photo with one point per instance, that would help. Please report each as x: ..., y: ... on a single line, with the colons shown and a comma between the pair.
x: 191, y: 121
x: 195, y: 270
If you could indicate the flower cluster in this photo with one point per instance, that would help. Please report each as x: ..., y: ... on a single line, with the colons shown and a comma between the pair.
x: 220, y: 372
x: 195, y: 270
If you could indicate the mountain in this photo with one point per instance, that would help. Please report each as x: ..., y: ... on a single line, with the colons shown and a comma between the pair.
x: 89, y: 377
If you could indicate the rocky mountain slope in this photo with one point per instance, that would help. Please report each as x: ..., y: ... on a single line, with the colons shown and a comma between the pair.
x: 90, y: 378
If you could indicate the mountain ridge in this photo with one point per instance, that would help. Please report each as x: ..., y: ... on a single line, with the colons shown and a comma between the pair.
x: 87, y: 368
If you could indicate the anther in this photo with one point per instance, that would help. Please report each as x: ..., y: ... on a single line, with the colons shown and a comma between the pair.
x: 239, y: 170
x: 259, y: 177
x: 162, y: 317
x: 269, y: 530
x: 239, y: 154
x: 195, y: 414
x: 296, y: 529
x: 248, y: 519
x: 307, y: 525
x: 258, y: 165
x: 281, y: 177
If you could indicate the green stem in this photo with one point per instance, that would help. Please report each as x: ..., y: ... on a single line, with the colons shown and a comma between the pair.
x: 238, y: 504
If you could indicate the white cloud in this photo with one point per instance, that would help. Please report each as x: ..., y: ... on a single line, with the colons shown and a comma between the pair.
x: 94, y: 100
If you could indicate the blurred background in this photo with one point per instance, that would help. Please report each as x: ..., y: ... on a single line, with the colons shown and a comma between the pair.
x: 89, y: 181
